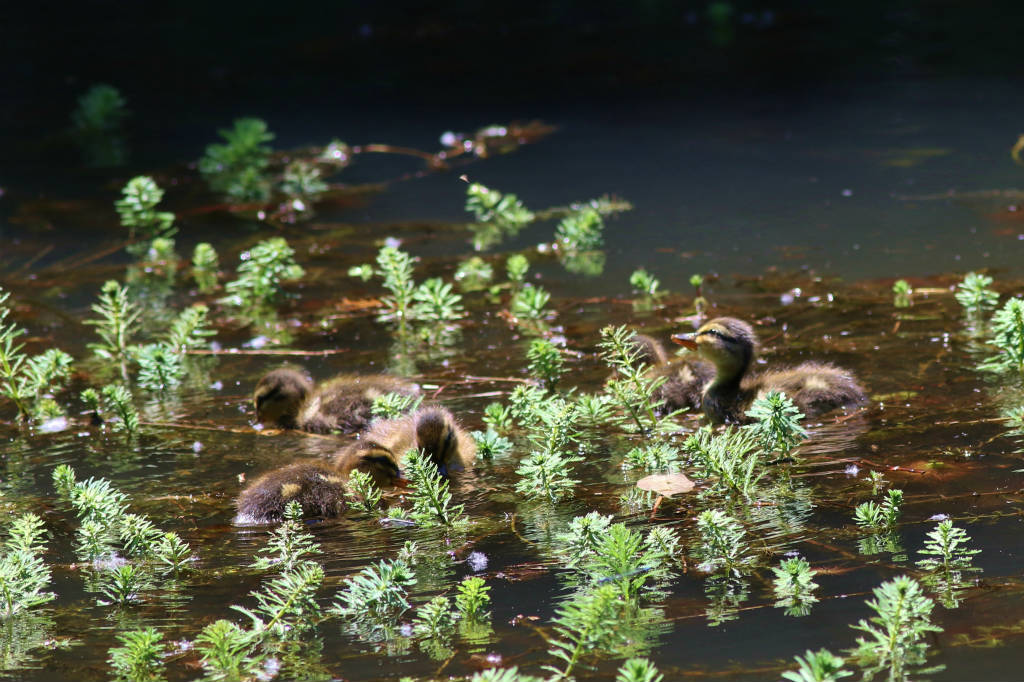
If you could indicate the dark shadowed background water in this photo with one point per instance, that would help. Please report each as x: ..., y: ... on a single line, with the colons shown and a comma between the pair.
x: 829, y: 149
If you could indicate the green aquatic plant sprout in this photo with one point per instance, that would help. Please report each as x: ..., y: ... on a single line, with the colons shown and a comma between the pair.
x: 582, y: 537
x: 204, y: 267
x: 286, y: 606
x: 895, y: 635
x: 647, y: 287
x: 722, y: 543
x: 264, y: 267
x: 302, y: 181
x: 138, y: 213
x: 396, y: 268
x: 189, y: 330
x: 946, y: 549
x: 289, y: 544
x: 884, y: 515
x: 974, y: 294
x: 529, y: 303
x: 498, y: 417
x: 97, y: 126
x: 634, y: 391
x: 394, y: 405
x: 794, y: 586
x: 377, y: 594
x: 817, y: 666
x: 474, y: 274
x: 122, y: 585
x: 23, y: 575
x: 434, y: 620
x: 225, y: 649
x: 362, y: 493
x: 546, y: 364
x: 237, y: 168
x: 116, y: 324
x: 546, y: 475
x: 497, y: 215
x: 516, y: 268
x: 431, y: 498
x: 160, y: 366
x: 901, y: 293
x: 12, y: 360
x: 434, y: 301
x: 472, y: 599
x: 140, y: 658
x: 777, y: 423
x: 581, y: 230
x: 656, y: 456
x: 638, y: 670
x: 119, y: 399
x: 490, y: 444
x: 730, y: 458
x: 582, y: 624
x: 1007, y: 334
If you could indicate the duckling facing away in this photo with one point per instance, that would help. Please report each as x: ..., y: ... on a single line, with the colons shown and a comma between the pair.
x: 731, y: 344
x: 287, y: 399
x: 685, y: 378
x: 315, y: 485
x: 319, y: 486
x: 381, y: 451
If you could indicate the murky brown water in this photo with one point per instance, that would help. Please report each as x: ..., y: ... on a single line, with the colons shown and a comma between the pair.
x: 932, y: 428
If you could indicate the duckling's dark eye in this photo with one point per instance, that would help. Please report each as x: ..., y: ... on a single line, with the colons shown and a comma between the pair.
x: 383, y: 462
x: 716, y: 333
x: 269, y: 395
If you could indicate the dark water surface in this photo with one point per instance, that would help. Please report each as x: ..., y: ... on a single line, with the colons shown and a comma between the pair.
x: 836, y: 191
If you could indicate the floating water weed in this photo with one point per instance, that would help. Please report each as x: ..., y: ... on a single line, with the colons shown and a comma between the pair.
x: 160, y: 366
x: 582, y: 624
x: 121, y: 585
x: 884, y: 515
x: 581, y: 230
x: 12, y: 359
x: 394, y: 405
x: 1007, y: 334
x: 189, y: 330
x: 622, y: 557
x: 119, y: 399
x: 657, y: 456
x: 546, y: 475
x: 498, y: 417
x: 472, y: 599
x: 172, y: 552
x: 96, y: 126
x: 497, y: 215
x: 546, y: 472
x: 700, y: 304
x: 794, y: 586
x: 473, y: 274
x: 376, y: 595
x: 264, y: 267
x: 895, y: 634
x: 286, y: 605
x: 225, y: 649
x: 489, y: 444
x: 236, y: 169
x: 644, y: 283
x: 434, y: 619
x: 516, y: 268
x: 974, y: 294
x: 582, y: 537
x: 23, y: 575
x: 817, y: 666
x: 777, y: 423
x: 634, y: 391
x: 594, y: 411
x: 396, y: 269
x: 431, y: 499
x: 204, y: 267
x: 288, y: 543
x: 638, y: 670
x: 529, y: 303
x: 434, y: 301
x: 731, y: 458
x: 363, y: 494
x: 140, y: 656
x: 503, y: 675
x: 138, y: 535
x: 117, y: 322
x: 947, y: 559
x: 523, y: 402
x: 546, y: 364
x: 138, y: 213
x: 302, y: 182
x: 901, y: 294
x: 722, y: 542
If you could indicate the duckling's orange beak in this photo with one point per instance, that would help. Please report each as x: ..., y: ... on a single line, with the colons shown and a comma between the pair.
x: 686, y: 340
x: 401, y: 482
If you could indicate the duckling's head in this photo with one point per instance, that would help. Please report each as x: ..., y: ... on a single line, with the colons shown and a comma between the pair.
x: 725, y: 341
x: 437, y: 435
x: 279, y: 395
x: 375, y: 460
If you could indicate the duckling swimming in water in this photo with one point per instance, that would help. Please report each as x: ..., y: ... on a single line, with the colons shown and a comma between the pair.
x: 731, y: 344
x: 685, y: 378
x: 315, y: 485
x: 286, y: 398
x: 381, y: 451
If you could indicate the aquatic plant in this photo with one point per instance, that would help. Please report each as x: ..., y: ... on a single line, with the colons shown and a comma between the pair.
x: 552, y: 424
x: 638, y: 670
x: 473, y: 598
x: 498, y: 417
x: 817, y: 666
x: 138, y: 213
x: 362, y: 493
x: 516, y: 268
x: 189, y: 329
x: 644, y: 283
x: 96, y: 126
x: 581, y: 230
x: 431, y: 498
x: 1006, y: 330
x: 225, y: 649
x: 172, y: 553
x: 237, y: 168
x: 434, y: 620
x: 777, y: 423
x: 546, y: 364
x: 434, y: 301
x: 117, y: 322
x: 700, y: 304
x: 160, y: 366
x: 721, y: 544
x: 895, y: 635
x: 594, y: 411
x: 23, y: 575
x: 204, y: 267
x: 503, y: 675
x: 302, y: 182
x: 529, y: 303
x: 264, y: 267
x: 546, y: 475
x: 633, y: 390
x: 582, y: 624
x: 377, y: 594
x: 473, y: 274
x: 140, y: 657
x: 622, y: 557
x: 121, y: 585
x: 490, y: 443
x: 288, y: 544
x: 12, y: 360
x: 974, y: 294
x: 395, y: 267
x: 947, y: 558
x: 286, y: 605
x: 656, y: 456
x: 872, y: 515
x: 119, y: 399
x: 794, y: 586
x: 497, y: 215
x: 393, y: 405
x: 901, y: 293
x: 731, y: 458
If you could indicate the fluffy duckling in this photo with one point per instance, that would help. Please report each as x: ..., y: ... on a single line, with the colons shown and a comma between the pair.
x: 685, y: 378
x: 381, y: 451
x: 315, y: 485
x: 731, y: 344
x: 286, y: 398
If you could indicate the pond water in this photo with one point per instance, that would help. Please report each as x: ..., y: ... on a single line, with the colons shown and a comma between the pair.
x: 800, y: 209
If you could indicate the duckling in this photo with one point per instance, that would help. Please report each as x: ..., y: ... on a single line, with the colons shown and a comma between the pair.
x: 381, y: 451
x: 287, y: 399
x: 731, y: 344
x: 685, y: 378
x: 315, y: 485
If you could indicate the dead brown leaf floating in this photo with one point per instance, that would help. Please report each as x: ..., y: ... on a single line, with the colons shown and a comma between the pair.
x: 666, y: 485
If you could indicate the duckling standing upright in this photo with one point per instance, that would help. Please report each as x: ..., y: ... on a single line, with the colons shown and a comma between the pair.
x: 287, y: 399
x: 731, y: 344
